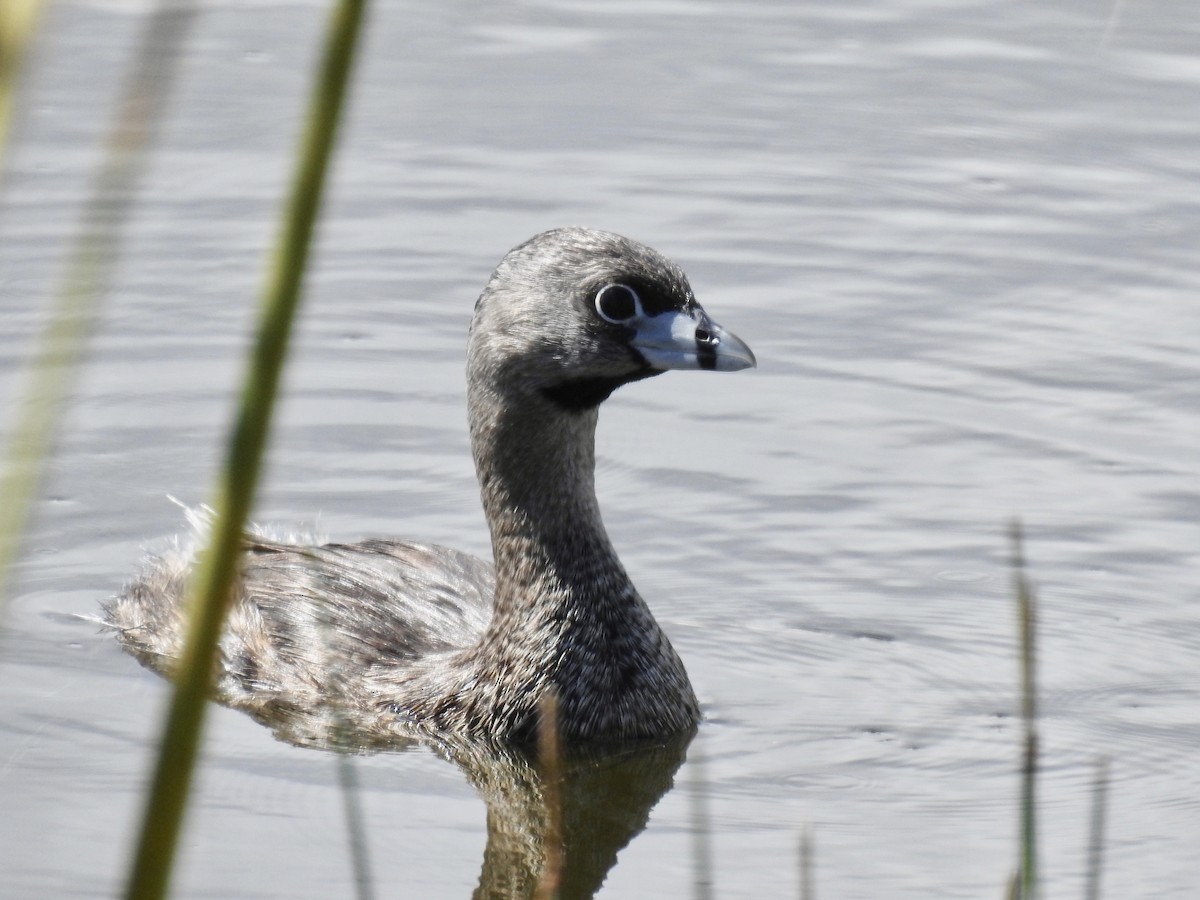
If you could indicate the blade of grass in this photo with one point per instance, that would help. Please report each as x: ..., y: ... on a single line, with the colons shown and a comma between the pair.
x: 550, y: 763
x: 356, y: 832
x: 18, y: 22
x: 87, y: 276
x: 212, y: 588
x: 1027, y: 615
x: 702, y: 869
x: 1096, y: 831
x: 808, y: 890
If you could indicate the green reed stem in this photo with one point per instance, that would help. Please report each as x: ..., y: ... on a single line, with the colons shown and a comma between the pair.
x: 88, y: 272
x: 212, y: 589
x: 18, y: 22
x: 1027, y: 880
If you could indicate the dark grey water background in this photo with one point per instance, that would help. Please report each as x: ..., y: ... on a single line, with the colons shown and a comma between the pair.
x: 961, y: 238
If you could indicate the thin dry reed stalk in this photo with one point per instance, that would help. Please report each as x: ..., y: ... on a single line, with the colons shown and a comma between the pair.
x: 356, y: 832
x: 1027, y: 875
x: 550, y: 762
x: 1095, y: 855
x: 703, y: 880
x: 808, y: 890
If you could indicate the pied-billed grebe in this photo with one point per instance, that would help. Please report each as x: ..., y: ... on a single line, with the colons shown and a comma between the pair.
x: 393, y: 637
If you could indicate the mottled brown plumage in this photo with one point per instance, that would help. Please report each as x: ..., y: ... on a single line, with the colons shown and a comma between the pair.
x: 390, y: 638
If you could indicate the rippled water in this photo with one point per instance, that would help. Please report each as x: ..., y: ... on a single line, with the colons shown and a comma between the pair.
x: 961, y: 239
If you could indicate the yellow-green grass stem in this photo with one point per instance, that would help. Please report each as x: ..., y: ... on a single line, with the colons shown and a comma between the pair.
x: 18, y: 23
x: 212, y: 588
x: 88, y: 271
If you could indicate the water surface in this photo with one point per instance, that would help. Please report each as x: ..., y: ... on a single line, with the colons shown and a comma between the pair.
x: 960, y: 239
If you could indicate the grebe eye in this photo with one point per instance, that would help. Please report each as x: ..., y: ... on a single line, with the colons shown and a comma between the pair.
x: 618, y: 303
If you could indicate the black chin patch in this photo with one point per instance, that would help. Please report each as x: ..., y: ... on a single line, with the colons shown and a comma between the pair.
x: 580, y: 394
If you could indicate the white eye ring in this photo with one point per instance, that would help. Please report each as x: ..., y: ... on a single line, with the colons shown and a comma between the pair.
x: 622, y: 302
